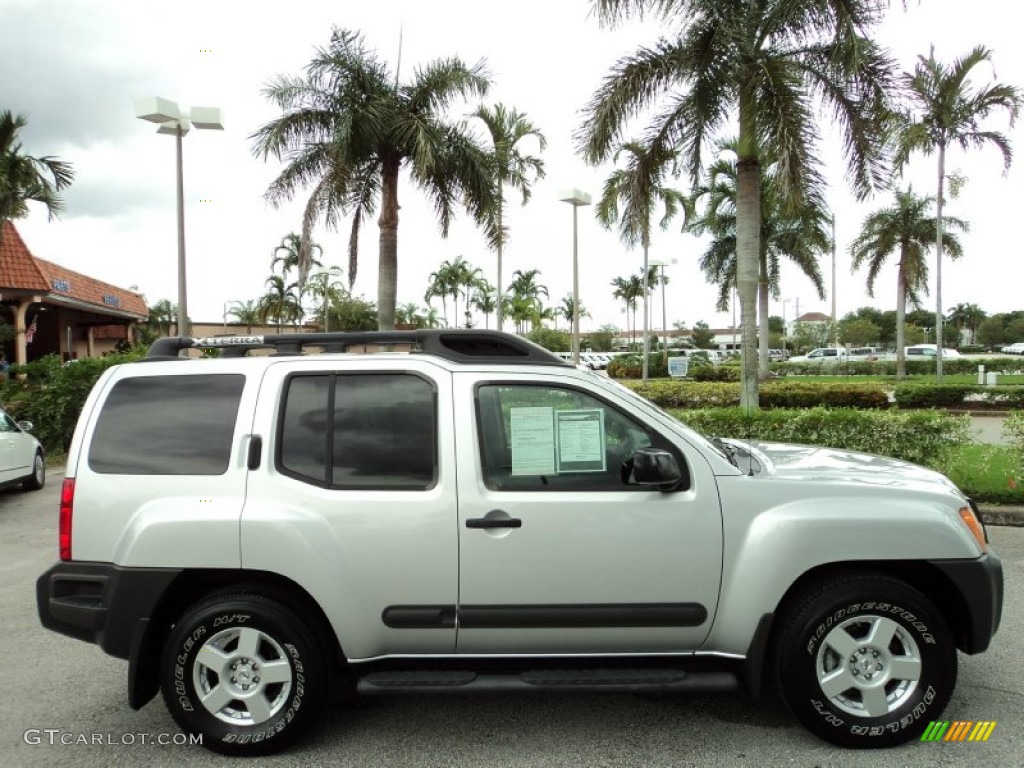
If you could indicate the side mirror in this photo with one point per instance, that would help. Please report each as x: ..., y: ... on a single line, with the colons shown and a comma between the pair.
x: 25, y: 426
x: 657, y: 467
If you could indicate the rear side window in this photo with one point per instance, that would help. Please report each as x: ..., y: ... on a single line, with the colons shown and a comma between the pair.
x: 167, y: 425
x: 359, y: 431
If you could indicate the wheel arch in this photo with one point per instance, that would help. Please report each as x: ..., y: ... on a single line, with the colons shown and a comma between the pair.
x: 923, y: 576
x: 193, y: 586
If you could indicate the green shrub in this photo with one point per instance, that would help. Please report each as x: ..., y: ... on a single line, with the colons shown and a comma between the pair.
x: 927, y: 438
x: 773, y: 394
x: 51, y: 394
x: 956, y: 395
x: 1013, y: 431
x: 631, y: 366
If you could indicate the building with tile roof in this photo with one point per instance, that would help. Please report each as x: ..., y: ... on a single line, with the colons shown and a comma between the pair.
x: 55, y: 310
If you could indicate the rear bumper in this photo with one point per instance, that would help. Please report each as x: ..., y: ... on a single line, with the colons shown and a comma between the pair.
x: 100, y: 603
x: 980, y: 585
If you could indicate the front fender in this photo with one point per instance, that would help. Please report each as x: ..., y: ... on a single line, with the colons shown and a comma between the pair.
x: 768, y: 547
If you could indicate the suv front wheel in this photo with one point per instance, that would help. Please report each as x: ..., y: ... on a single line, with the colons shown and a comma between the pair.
x: 245, y: 672
x: 865, y: 661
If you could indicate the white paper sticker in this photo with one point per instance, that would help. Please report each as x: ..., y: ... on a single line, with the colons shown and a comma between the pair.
x: 581, y: 440
x: 533, y: 440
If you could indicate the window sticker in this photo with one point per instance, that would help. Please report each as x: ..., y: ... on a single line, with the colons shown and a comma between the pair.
x: 533, y: 440
x: 581, y: 440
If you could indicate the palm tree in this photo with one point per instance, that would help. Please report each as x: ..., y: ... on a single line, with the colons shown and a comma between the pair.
x: 25, y: 179
x: 162, y: 316
x: 287, y: 254
x: 524, y: 302
x: 906, y: 230
x: 774, y: 66
x: 507, y: 128
x: 629, y: 289
x: 349, y: 127
x: 484, y: 300
x: 248, y: 312
x: 945, y: 111
x: 801, y: 234
x: 281, y: 302
x: 567, y: 307
x: 966, y: 315
x: 638, y: 188
x: 453, y: 278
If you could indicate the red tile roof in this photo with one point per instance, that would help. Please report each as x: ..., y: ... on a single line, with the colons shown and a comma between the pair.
x: 21, y: 270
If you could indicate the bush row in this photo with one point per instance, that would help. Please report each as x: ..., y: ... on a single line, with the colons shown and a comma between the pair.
x: 888, y: 367
x: 773, y: 394
x: 922, y: 437
x: 958, y: 396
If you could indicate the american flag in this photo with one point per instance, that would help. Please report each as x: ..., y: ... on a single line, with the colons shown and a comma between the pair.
x: 30, y: 332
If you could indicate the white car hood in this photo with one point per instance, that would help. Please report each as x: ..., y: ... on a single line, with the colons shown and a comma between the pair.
x: 809, y: 462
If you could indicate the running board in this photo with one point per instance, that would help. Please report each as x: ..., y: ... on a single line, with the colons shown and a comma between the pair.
x: 619, y: 680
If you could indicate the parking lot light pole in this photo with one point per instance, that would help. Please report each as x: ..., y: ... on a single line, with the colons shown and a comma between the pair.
x: 575, y: 198
x: 176, y: 122
x: 327, y: 274
x: 664, y: 313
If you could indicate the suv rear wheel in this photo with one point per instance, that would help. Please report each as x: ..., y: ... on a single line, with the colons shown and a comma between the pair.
x: 865, y: 661
x: 245, y: 672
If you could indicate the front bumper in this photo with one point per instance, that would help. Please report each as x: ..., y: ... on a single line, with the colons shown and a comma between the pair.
x: 980, y: 587
x: 100, y: 603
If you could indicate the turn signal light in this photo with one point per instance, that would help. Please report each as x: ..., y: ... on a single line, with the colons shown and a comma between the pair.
x: 971, y: 521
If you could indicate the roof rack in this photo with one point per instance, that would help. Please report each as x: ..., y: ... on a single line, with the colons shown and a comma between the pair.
x: 459, y: 346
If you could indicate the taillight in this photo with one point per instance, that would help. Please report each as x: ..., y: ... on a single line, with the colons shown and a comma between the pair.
x: 67, y: 502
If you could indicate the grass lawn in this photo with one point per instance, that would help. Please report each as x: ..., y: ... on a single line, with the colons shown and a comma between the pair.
x: 985, y: 472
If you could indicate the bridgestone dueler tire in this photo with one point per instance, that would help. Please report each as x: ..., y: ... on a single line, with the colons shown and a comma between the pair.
x: 882, y: 706
x: 257, y: 636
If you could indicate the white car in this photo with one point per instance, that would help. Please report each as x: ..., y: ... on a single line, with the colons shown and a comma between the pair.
x: 1014, y: 349
x: 929, y: 351
x: 479, y: 515
x: 21, y: 455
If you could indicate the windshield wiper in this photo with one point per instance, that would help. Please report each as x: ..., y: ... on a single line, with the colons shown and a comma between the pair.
x: 727, y: 450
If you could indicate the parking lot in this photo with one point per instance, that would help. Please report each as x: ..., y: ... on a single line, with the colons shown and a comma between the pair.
x: 61, y: 690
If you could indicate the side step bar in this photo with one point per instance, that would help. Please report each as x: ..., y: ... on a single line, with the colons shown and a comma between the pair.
x: 617, y: 680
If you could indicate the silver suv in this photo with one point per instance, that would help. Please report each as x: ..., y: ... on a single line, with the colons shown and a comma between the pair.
x: 252, y: 531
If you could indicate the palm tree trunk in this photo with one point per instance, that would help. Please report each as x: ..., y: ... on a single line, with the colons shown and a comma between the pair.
x: 938, y: 263
x: 645, y: 344
x: 901, y: 314
x: 501, y: 245
x: 763, y: 369
x: 388, y: 259
x: 748, y: 220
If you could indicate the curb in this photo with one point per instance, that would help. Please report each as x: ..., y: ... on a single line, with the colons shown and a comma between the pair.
x: 1002, y: 515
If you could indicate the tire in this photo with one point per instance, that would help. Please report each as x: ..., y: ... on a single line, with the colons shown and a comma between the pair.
x: 215, y: 668
x: 37, y: 479
x: 848, y: 654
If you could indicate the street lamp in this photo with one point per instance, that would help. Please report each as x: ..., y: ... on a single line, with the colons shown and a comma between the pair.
x: 575, y: 198
x: 327, y: 274
x: 176, y: 122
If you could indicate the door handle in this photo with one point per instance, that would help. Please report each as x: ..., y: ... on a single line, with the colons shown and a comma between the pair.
x: 494, y: 522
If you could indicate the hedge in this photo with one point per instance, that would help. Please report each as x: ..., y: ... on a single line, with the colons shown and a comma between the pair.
x: 958, y: 396
x: 951, y: 366
x: 51, y: 394
x: 921, y: 437
x: 773, y: 394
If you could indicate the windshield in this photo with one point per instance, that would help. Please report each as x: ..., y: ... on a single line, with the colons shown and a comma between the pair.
x: 715, y: 445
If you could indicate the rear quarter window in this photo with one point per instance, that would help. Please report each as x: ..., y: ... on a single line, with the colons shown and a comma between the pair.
x: 167, y: 425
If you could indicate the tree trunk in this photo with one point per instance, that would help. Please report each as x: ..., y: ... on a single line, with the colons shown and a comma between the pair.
x: 387, y: 269
x: 901, y: 313
x: 748, y: 228
x: 501, y: 246
x: 763, y: 368
x: 938, y: 264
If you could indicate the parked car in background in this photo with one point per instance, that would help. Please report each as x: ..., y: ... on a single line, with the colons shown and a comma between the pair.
x: 778, y: 355
x: 21, y: 455
x: 822, y: 355
x: 1014, y: 349
x: 928, y: 351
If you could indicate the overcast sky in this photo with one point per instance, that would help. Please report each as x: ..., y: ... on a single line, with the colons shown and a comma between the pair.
x: 75, y: 67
